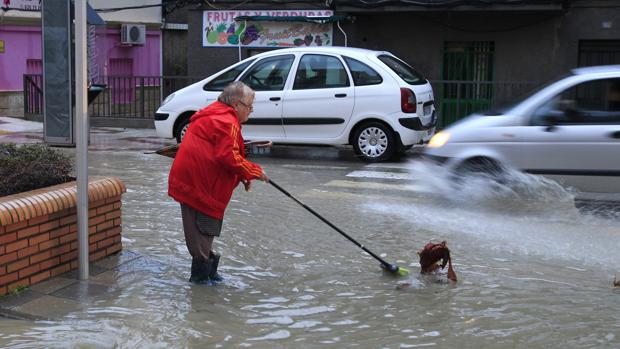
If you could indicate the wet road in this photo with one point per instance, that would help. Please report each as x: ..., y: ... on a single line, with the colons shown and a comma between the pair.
x: 534, y: 270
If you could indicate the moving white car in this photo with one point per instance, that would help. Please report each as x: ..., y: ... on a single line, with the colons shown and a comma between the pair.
x: 568, y: 130
x: 320, y: 95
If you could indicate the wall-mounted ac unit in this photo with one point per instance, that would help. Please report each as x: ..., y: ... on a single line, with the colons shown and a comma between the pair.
x: 133, y: 34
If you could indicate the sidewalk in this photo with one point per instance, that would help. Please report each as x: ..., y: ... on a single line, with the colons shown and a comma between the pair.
x: 16, y: 130
x: 64, y: 294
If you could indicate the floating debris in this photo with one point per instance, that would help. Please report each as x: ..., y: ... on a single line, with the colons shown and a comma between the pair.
x: 431, y: 254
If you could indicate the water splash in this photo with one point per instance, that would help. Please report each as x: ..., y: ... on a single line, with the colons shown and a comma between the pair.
x: 516, y: 192
x: 521, y: 214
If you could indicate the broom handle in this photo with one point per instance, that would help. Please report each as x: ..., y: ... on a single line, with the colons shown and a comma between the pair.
x: 386, y: 264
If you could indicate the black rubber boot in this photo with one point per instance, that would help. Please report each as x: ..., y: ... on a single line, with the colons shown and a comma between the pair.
x: 200, y: 271
x: 214, y: 261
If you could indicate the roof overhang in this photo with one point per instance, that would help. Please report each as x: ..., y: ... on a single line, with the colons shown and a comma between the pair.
x: 318, y: 20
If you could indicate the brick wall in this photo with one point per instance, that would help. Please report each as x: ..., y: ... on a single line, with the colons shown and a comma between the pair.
x: 38, y: 230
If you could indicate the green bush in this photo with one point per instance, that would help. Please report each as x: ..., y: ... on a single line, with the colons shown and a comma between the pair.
x: 32, y: 166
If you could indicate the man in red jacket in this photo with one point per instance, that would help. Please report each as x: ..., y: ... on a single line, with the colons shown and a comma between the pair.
x: 209, y: 165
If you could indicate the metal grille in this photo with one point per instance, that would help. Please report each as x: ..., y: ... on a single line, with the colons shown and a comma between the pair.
x: 599, y: 52
x: 471, y: 66
x: 33, y: 95
x: 141, y: 103
x: 465, y: 102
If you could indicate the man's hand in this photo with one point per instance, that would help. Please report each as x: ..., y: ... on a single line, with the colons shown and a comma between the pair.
x: 247, y: 184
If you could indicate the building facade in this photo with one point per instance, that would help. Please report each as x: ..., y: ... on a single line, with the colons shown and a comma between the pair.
x: 110, y: 52
x: 476, y: 53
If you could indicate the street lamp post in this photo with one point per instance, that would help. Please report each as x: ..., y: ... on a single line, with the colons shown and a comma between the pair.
x: 81, y: 131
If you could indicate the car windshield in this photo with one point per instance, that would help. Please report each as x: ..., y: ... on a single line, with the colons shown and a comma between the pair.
x: 218, y: 83
x: 403, y: 70
x: 502, y: 107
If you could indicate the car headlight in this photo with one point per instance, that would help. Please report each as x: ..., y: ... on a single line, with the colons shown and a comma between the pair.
x: 168, y: 99
x: 439, y: 139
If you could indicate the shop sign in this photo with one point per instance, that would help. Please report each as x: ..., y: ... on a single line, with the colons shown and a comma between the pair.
x: 219, y: 29
x: 29, y: 5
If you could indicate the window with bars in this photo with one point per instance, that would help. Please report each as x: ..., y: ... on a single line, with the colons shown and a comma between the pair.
x: 468, y: 71
x: 598, y: 52
x: 34, y: 66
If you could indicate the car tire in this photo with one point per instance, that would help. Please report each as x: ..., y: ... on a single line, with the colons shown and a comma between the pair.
x: 181, y: 129
x: 374, y: 141
x: 481, y: 165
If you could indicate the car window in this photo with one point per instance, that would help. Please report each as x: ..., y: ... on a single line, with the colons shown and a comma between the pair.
x: 226, y: 77
x: 269, y: 74
x: 590, y: 103
x: 320, y: 71
x: 403, y: 70
x: 362, y: 74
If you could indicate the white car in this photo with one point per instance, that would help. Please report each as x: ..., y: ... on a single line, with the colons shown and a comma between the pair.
x: 568, y: 130
x: 320, y: 95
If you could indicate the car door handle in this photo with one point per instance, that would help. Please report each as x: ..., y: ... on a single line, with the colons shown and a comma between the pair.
x: 274, y: 99
x: 340, y: 95
x: 615, y: 134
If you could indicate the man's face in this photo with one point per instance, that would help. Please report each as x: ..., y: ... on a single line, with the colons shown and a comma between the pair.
x: 244, y: 108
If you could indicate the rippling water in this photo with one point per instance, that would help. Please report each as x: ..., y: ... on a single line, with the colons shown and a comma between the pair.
x: 534, y: 271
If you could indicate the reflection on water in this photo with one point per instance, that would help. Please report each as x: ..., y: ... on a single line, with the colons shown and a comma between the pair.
x: 534, y: 271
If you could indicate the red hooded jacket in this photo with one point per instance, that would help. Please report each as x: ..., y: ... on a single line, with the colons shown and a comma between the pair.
x: 210, y: 162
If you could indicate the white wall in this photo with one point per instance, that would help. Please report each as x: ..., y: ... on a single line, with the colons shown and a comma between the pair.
x: 148, y: 15
x: 144, y: 15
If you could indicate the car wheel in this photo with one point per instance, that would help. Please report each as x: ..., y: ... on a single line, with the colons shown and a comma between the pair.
x: 182, y: 129
x: 374, y: 141
x: 481, y: 165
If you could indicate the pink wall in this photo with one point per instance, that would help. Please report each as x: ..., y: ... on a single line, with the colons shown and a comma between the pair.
x: 24, y: 42
x: 20, y: 44
x: 145, y: 57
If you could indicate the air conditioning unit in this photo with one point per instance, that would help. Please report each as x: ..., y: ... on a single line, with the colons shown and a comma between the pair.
x: 133, y: 34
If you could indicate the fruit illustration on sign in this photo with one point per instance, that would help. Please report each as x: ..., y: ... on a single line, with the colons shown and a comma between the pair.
x: 222, y: 38
x: 231, y: 29
x: 298, y: 42
x: 233, y: 39
x: 318, y: 41
x: 240, y: 29
x: 211, y: 35
x: 308, y: 40
x: 250, y: 34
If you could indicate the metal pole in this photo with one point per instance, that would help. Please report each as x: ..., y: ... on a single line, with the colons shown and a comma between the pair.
x: 343, y: 33
x: 81, y: 130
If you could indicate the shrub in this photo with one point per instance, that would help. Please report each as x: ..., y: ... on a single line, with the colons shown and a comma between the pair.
x: 32, y: 166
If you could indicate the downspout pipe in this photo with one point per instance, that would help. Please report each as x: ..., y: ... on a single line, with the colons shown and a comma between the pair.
x: 343, y: 33
x: 245, y: 26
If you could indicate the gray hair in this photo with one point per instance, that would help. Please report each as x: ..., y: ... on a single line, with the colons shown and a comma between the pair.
x: 234, y: 92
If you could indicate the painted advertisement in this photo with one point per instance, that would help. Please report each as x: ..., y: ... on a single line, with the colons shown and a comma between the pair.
x: 28, y: 5
x: 221, y: 30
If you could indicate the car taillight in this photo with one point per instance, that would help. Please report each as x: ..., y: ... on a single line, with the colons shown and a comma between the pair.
x: 407, y: 100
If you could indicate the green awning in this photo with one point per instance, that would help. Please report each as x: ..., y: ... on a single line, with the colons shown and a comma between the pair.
x: 320, y: 20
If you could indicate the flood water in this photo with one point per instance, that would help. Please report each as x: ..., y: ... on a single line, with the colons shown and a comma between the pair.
x: 535, y: 268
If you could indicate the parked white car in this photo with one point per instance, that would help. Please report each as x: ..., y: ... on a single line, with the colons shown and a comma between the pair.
x: 320, y: 95
x: 568, y: 129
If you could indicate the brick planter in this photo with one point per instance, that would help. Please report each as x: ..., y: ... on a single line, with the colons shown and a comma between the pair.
x: 38, y: 230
